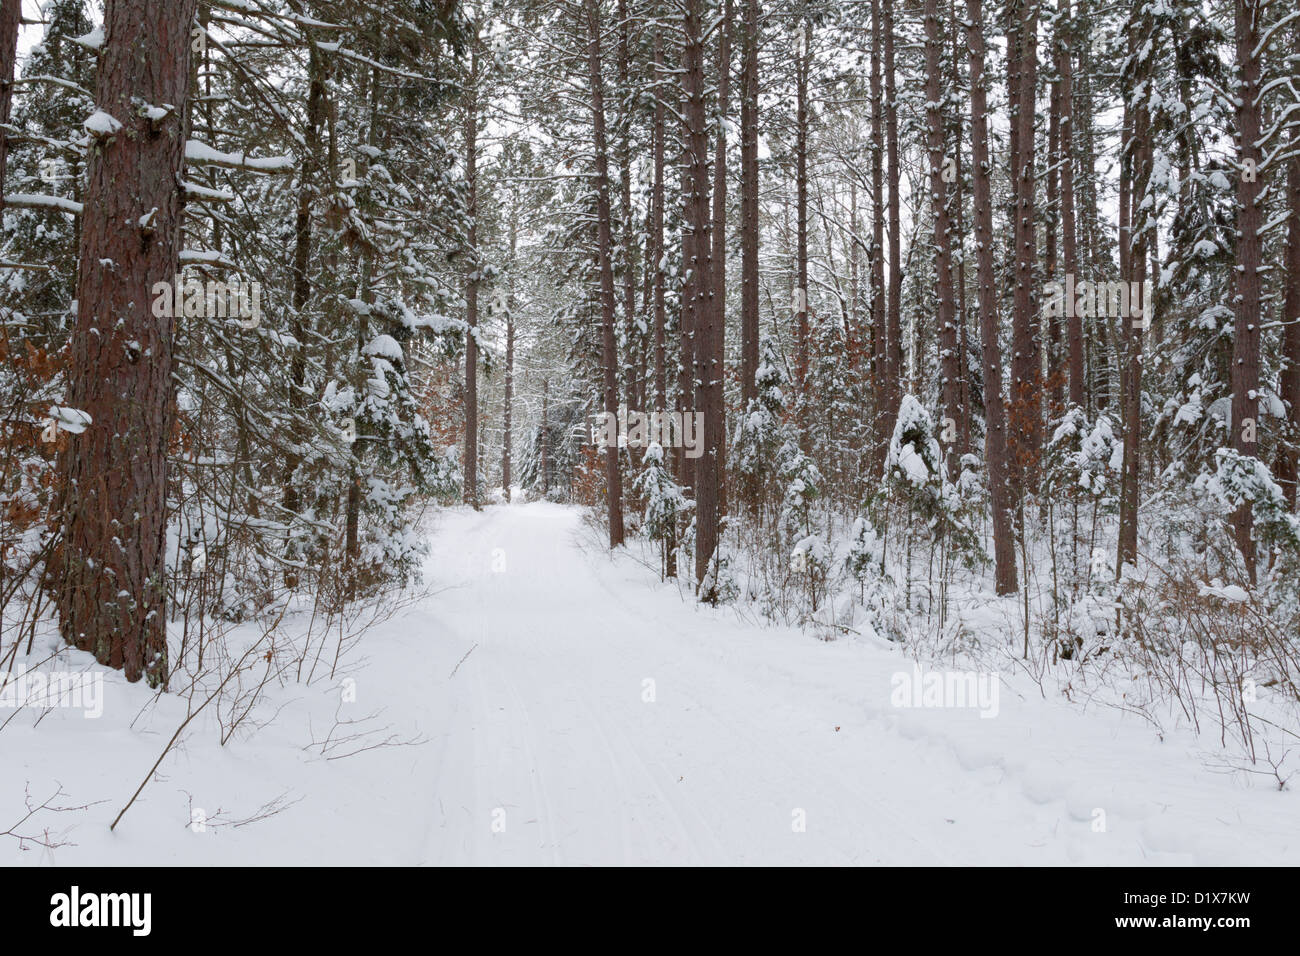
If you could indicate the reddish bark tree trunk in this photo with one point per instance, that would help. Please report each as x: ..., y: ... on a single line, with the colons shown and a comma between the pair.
x: 10, y: 18
x: 719, y: 263
x: 1069, y: 253
x: 960, y: 262
x: 604, y: 242
x: 627, y: 246
x: 1026, y: 352
x: 1055, y: 380
x: 995, y: 449
x: 112, y: 599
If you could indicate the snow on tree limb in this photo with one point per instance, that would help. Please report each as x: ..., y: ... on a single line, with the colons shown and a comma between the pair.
x: 37, y: 201
x: 201, y: 154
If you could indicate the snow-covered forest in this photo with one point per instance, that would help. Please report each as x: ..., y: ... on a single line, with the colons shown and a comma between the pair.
x: 649, y: 431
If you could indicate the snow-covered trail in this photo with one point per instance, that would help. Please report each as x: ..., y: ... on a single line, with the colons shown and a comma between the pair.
x: 756, y: 745
x: 563, y: 707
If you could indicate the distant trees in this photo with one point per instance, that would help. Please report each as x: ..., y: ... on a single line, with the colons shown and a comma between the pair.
x: 857, y: 305
x: 477, y: 237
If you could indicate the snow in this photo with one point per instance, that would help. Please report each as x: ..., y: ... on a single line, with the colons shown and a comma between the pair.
x: 611, y: 721
x: 94, y: 40
x: 72, y: 420
x: 913, y: 461
x: 203, y: 154
x: 1228, y: 592
x: 205, y: 257
x: 1189, y: 412
x: 384, y: 346
x: 33, y: 200
x: 156, y: 114
x: 101, y: 123
x: 913, y: 465
x: 198, y: 191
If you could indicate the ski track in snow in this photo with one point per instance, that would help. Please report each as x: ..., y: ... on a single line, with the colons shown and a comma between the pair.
x: 543, y: 727
x: 742, y: 734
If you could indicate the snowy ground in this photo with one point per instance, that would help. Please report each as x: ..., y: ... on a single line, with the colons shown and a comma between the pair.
x: 549, y: 706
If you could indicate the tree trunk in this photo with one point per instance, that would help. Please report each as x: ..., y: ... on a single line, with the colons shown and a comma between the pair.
x: 1245, y: 337
x: 604, y: 242
x: 853, y: 338
x: 1289, y: 454
x: 627, y: 244
x: 1026, y: 349
x: 719, y: 264
x: 546, y: 437
x: 302, y: 248
x: 960, y: 266
x: 880, y: 389
x: 657, y: 230
x: 749, y: 81
x: 1069, y: 254
x: 10, y: 18
x: 894, y: 322
x: 510, y: 363
x: 802, y: 64
x: 1096, y: 390
x: 1004, y: 550
x: 657, y: 246
x: 352, y: 521
x: 113, y: 592
x: 705, y: 319
x: 949, y: 357
x: 1127, y: 521
x: 1055, y: 380
x: 1136, y: 227
x: 470, y: 467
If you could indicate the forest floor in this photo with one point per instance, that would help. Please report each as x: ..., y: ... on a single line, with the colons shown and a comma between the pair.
x: 542, y: 704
